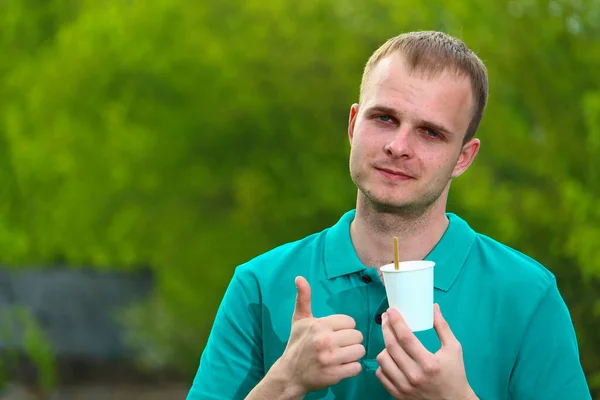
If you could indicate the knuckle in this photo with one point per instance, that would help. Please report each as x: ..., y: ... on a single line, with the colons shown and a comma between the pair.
x: 362, y: 351
x: 316, y: 325
x: 359, y: 336
x: 458, y: 347
x: 431, y: 367
x: 455, y: 347
x: 415, y: 378
x: 381, y: 357
x: 405, y: 338
x: 322, y: 342
x: 356, y: 369
x: 349, y: 322
x: 324, y: 357
x: 358, y: 352
x: 393, y: 348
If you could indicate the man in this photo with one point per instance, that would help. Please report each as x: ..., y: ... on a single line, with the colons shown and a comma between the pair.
x: 310, y: 319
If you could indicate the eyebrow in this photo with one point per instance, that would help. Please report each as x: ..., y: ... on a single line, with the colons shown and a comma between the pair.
x: 429, y: 124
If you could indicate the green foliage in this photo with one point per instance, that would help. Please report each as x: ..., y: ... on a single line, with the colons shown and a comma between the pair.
x: 38, y: 349
x: 20, y: 330
x: 191, y: 136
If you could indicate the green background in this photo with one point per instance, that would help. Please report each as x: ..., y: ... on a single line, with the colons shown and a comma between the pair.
x: 190, y: 136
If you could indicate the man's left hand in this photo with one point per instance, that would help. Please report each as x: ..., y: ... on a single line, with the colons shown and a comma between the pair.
x: 410, y: 372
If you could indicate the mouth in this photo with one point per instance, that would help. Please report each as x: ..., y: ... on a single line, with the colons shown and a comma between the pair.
x: 394, y: 174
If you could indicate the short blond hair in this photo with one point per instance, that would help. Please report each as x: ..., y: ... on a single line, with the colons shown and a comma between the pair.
x: 431, y: 53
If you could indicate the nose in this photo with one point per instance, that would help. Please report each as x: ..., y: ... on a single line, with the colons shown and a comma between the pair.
x: 400, y: 144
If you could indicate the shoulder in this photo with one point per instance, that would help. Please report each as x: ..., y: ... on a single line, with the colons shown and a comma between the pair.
x: 519, y: 280
x: 523, y: 292
x: 509, y: 263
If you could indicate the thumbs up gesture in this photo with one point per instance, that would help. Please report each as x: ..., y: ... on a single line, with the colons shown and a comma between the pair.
x: 321, y: 351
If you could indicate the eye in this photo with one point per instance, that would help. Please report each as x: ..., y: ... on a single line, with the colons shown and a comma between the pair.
x: 431, y: 133
x: 385, y: 118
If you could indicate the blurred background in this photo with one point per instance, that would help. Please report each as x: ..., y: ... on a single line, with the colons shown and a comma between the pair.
x: 149, y: 147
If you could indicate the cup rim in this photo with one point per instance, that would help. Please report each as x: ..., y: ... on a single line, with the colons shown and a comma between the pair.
x: 408, y: 266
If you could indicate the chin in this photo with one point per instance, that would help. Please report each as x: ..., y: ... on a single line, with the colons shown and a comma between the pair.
x: 387, y: 201
x: 395, y: 203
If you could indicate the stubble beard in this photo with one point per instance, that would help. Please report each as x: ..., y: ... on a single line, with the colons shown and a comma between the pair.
x: 410, y: 209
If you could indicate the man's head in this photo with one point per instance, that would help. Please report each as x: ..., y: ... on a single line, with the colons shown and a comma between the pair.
x: 421, y: 101
x: 432, y: 53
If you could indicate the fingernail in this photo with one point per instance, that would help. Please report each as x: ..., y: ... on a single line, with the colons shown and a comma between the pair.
x: 384, y: 317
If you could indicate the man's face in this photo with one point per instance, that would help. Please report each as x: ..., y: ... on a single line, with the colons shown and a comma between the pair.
x: 407, y: 136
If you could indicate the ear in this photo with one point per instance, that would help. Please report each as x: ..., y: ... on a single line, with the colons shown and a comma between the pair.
x: 352, y: 121
x: 466, y: 157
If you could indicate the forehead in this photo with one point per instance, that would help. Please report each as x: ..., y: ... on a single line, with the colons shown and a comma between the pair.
x: 445, y: 98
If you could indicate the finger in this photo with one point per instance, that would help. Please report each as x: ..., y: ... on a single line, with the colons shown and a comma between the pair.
x: 346, y: 337
x: 442, y: 328
x: 407, y: 339
x: 303, y: 307
x: 347, y: 370
x: 344, y: 355
x: 387, y: 384
x: 396, y: 351
x: 339, y: 322
x: 394, y: 375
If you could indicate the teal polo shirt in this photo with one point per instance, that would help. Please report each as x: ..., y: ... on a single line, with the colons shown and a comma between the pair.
x: 505, y: 309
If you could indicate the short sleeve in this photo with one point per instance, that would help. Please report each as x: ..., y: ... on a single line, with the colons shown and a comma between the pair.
x: 232, y: 362
x: 548, y: 365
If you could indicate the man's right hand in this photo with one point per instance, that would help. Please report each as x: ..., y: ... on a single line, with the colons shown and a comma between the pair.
x: 321, y: 351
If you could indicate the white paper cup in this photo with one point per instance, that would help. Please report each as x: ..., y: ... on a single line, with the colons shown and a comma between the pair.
x: 410, y: 291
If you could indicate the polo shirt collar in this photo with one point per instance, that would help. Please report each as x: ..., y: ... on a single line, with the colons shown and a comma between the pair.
x: 339, y: 255
x: 450, y: 253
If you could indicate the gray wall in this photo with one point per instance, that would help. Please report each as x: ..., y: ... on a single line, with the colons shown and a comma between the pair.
x: 75, y: 308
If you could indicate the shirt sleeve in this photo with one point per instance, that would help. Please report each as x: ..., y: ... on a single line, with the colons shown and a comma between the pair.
x: 232, y: 361
x: 548, y: 365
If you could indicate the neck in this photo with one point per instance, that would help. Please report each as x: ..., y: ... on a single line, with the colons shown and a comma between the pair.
x: 373, y: 229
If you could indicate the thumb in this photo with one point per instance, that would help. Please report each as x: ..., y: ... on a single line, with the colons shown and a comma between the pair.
x: 303, y: 308
x: 442, y: 328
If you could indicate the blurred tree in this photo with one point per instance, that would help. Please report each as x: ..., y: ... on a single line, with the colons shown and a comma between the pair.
x: 192, y: 136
